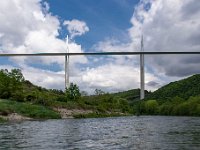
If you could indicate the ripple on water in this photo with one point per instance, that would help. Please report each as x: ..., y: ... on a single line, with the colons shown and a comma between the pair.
x: 145, y: 132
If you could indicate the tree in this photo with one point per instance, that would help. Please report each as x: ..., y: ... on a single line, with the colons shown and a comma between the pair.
x: 73, y: 92
x: 17, y: 75
x: 99, y: 92
x: 5, y: 90
x: 151, y: 107
x: 11, y: 84
x: 16, y: 87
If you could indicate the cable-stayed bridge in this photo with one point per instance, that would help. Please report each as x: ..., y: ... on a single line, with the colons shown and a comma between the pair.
x: 140, y: 53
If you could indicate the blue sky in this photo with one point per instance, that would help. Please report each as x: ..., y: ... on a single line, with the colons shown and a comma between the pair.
x: 35, y: 26
x: 105, y: 18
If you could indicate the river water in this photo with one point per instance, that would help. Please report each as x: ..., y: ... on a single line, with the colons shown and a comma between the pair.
x: 144, y: 132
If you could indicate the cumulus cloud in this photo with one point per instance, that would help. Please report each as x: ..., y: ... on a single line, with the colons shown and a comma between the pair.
x: 114, y: 77
x: 76, y: 27
x: 29, y: 27
x: 44, y: 78
x: 22, y: 17
x: 169, y: 26
x: 166, y: 26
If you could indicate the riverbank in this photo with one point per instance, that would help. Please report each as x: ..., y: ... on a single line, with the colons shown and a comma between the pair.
x: 70, y: 113
x: 17, y: 111
x: 13, y: 117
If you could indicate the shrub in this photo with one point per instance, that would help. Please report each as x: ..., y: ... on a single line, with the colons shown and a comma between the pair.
x: 73, y: 92
x: 151, y: 107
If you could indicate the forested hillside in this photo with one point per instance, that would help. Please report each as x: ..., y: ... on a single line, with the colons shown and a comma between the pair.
x: 130, y: 95
x: 14, y: 86
x: 183, y: 88
x: 177, y: 98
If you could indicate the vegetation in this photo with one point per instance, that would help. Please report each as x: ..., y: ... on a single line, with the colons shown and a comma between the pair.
x: 130, y: 95
x: 106, y: 103
x: 33, y: 101
x: 180, y: 98
x: 99, y: 115
x: 184, y: 89
x: 176, y: 107
x: 27, y: 109
x: 73, y: 92
x: 22, y: 97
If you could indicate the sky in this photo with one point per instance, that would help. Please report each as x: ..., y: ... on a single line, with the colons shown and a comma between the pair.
x: 35, y: 26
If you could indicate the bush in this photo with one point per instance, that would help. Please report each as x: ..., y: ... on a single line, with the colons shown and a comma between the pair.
x: 18, y: 96
x: 166, y: 109
x: 101, y: 108
x: 98, y: 115
x: 73, y: 92
x: 62, y: 98
x: 151, y: 107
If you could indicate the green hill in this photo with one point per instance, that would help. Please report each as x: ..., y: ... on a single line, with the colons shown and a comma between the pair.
x: 184, y: 89
x: 180, y: 98
x: 130, y: 95
x: 177, y: 98
x: 14, y: 89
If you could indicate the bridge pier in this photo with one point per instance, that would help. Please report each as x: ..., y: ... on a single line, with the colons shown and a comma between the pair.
x: 142, y: 83
x: 66, y: 71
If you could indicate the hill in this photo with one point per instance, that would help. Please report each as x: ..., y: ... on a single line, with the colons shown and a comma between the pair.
x: 130, y: 95
x: 180, y: 98
x: 26, y: 99
x: 184, y: 89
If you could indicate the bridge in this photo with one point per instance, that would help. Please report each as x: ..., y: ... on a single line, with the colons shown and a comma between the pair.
x: 141, y: 54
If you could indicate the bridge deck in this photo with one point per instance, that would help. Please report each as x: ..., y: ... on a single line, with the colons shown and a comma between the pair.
x: 99, y: 53
x: 141, y: 53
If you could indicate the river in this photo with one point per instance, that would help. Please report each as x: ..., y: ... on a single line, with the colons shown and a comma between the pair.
x: 144, y: 132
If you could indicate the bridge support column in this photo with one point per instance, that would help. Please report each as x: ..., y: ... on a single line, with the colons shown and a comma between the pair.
x: 142, y: 94
x: 66, y: 71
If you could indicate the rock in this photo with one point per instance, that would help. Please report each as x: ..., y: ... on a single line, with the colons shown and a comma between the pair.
x: 69, y: 113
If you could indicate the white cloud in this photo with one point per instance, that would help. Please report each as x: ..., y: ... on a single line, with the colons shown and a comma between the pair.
x: 44, y: 78
x: 115, y: 77
x: 29, y: 27
x: 169, y: 26
x: 21, y: 17
x: 113, y: 45
x: 76, y: 27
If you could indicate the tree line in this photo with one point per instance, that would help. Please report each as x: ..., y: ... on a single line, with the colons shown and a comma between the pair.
x: 13, y: 86
x: 175, y: 107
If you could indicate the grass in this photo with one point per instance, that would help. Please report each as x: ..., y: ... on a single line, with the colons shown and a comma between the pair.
x: 27, y: 109
x: 99, y: 115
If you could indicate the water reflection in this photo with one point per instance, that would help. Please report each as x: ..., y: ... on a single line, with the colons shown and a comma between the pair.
x: 146, y: 132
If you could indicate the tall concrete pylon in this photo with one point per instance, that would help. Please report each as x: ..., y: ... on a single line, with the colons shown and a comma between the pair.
x: 142, y: 83
x: 67, y: 65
